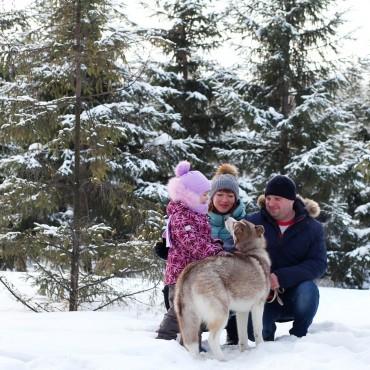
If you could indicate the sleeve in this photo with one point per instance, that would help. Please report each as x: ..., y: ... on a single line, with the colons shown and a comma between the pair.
x: 313, y: 266
x: 160, y: 249
x: 195, y: 245
x: 229, y: 245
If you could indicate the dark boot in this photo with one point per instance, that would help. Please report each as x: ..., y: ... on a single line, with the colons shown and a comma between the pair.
x: 169, y: 326
x: 201, y: 349
x: 232, y: 331
x: 166, y: 297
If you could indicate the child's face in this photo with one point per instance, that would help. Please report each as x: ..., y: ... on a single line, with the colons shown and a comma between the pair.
x: 204, y: 198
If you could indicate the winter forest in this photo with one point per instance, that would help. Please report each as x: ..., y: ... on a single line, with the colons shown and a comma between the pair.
x: 92, y: 126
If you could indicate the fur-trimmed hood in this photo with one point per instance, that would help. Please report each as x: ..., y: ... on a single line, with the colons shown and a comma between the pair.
x: 312, y: 207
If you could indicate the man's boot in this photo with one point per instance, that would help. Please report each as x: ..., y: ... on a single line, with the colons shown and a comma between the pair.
x: 232, y: 331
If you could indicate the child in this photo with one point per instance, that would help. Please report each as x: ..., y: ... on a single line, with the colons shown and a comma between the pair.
x: 188, y: 234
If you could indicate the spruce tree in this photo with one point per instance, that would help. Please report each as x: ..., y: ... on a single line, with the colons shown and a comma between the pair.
x: 193, y: 32
x: 288, y: 81
x: 350, y: 262
x: 40, y: 147
x: 11, y: 23
x: 287, y: 118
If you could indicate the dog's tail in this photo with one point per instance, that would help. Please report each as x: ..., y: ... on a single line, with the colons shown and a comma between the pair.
x: 178, y: 301
x: 188, y: 324
x: 181, y: 285
x: 179, y: 292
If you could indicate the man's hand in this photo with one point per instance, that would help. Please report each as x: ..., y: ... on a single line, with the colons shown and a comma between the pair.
x: 274, y: 281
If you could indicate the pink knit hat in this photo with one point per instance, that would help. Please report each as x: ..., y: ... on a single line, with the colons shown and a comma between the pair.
x: 188, y: 186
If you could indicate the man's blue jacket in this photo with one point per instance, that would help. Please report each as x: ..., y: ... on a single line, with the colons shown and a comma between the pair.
x: 299, y: 254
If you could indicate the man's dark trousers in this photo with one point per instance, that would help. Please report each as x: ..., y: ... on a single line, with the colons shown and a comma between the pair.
x: 300, y: 306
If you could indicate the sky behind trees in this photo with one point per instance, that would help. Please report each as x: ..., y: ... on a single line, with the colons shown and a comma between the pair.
x: 358, y: 24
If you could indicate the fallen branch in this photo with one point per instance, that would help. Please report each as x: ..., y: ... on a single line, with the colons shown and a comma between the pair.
x: 124, y: 296
x: 15, y: 295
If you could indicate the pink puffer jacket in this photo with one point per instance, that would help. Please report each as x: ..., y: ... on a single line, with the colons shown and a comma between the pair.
x: 191, y: 239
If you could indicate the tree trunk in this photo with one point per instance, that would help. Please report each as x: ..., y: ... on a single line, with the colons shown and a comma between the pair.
x: 76, y: 232
x: 183, y: 55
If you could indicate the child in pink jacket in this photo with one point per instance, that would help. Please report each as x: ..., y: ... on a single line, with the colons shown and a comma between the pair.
x: 188, y: 233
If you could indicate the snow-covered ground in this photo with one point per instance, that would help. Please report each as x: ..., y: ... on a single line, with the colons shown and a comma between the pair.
x: 123, y: 339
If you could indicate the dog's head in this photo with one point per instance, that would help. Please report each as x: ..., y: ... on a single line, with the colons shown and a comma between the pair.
x: 244, y: 232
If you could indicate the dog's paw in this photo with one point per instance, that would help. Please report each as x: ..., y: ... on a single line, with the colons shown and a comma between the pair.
x: 220, y: 358
x: 243, y: 347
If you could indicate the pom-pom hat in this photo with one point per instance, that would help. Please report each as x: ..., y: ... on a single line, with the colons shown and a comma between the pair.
x: 225, y: 179
x: 188, y: 186
x: 281, y: 186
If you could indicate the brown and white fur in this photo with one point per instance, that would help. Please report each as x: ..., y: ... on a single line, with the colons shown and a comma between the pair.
x: 207, y: 290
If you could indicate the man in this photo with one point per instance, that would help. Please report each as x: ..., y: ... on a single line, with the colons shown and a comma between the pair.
x: 295, y: 242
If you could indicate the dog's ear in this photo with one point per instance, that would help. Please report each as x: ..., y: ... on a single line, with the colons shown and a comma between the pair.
x: 236, y: 234
x: 239, y: 230
x: 260, y: 230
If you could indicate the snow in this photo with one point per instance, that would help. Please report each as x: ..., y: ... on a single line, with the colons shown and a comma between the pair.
x: 35, y: 147
x: 362, y: 233
x: 9, y: 236
x: 363, y: 209
x: 46, y: 229
x: 196, y: 96
x: 162, y: 139
x: 99, y: 228
x: 66, y: 168
x: 152, y: 190
x: 360, y: 252
x: 124, y: 338
x: 28, y: 160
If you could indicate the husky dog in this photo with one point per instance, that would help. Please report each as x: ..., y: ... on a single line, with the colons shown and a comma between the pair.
x: 207, y: 290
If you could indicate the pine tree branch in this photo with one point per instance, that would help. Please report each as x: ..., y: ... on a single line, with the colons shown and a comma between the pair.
x: 120, y: 274
x: 51, y: 276
x: 96, y: 282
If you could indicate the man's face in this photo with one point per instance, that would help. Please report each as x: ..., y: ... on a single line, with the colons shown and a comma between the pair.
x: 281, y: 209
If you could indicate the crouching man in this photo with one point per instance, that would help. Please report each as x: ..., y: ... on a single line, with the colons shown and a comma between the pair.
x: 295, y: 243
